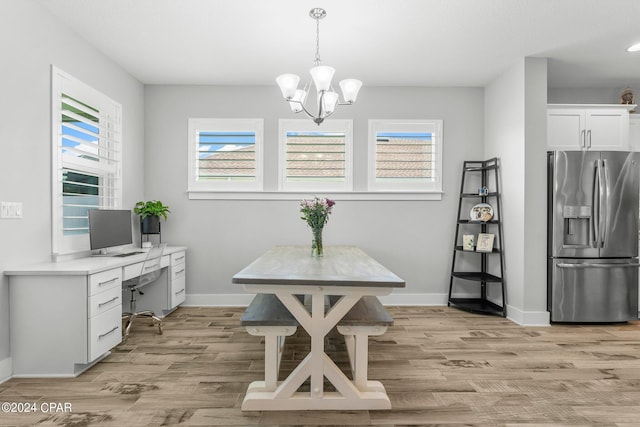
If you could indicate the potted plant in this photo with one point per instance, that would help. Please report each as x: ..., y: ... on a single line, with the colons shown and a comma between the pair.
x: 150, y: 213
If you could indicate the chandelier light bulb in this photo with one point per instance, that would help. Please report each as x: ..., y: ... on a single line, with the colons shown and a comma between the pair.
x: 350, y: 89
x: 330, y: 100
x: 288, y: 84
x: 322, y: 75
x: 298, y: 100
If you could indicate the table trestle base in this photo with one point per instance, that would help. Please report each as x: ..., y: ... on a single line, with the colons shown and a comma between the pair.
x: 257, y: 399
x: 360, y: 394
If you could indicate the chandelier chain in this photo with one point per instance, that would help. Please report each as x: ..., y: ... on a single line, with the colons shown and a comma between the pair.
x: 317, y: 60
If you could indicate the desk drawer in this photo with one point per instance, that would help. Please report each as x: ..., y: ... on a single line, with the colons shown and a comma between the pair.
x: 178, y: 279
x: 104, y: 301
x: 105, y: 332
x: 135, y: 270
x: 178, y: 258
x: 105, y: 280
x: 178, y: 289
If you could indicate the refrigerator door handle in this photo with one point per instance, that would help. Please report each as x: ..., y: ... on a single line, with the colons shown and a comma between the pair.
x: 602, y: 199
x: 592, y: 265
x: 595, y: 220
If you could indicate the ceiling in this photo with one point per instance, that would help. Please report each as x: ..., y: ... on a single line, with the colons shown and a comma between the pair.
x: 381, y: 42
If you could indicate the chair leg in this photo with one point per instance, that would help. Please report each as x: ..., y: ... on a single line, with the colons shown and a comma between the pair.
x: 133, y: 314
x: 127, y: 329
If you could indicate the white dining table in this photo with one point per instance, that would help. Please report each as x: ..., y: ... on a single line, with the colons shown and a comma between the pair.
x: 345, y: 272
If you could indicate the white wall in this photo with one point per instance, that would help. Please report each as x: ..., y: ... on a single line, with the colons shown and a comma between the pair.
x: 505, y: 138
x: 535, y: 192
x: 30, y: 41
x: 515, y: 131
x: 412, y: 238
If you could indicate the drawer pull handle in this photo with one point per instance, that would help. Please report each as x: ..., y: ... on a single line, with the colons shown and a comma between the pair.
x: 180, y: 291
x: 180, y: 271
x: 107, y: 282
x: 115, y: 328
x: 108, y: 302
x: 180, y: 258
x: 151, y: 266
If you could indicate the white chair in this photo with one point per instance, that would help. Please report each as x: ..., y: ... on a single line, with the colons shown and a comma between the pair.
x: 150, y: 272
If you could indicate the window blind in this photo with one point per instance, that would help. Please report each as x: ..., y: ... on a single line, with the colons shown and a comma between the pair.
x: 315, y: 156
x: 87, y: 158
x: 226, y: 156
x: 405, y: 156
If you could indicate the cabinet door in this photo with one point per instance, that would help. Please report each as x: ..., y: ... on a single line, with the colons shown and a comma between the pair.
x: 607, y: 129
x: 566, y: 129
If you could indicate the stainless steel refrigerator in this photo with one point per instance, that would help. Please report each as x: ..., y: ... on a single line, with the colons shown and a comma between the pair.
x: 592, y: 242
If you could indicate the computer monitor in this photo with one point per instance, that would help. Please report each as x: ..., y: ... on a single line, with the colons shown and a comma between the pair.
x: 109, y: 228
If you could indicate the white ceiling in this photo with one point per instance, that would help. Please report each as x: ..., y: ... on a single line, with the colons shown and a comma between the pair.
x: 381, y: 42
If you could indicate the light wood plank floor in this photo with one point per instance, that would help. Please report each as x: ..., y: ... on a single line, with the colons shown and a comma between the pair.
x: 439, y: 365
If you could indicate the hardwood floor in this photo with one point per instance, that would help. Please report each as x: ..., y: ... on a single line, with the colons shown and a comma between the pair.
x: 439, y: 366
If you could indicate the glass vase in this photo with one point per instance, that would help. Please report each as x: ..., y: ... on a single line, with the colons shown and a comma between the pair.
x: 316, y: 245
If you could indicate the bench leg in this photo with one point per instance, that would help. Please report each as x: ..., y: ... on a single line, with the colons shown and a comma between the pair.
x: 274, y: 337
x: 357, y: 341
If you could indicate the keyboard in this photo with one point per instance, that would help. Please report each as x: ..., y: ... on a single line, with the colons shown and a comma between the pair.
x: 128, y: 254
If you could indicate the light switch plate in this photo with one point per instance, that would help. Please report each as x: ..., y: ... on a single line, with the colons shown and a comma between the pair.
x: 10, y: 210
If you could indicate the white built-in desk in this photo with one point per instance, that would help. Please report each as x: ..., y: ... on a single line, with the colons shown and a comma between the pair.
x: 66, y: 316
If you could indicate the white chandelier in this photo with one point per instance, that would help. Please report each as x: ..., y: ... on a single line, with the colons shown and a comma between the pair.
x: 327, y: 98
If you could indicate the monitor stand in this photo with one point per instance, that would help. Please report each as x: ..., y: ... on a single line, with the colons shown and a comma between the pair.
x: 101, y: 252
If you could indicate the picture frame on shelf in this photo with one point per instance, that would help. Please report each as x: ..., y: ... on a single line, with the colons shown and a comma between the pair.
x: 468, y: 242
x: 485, y: 242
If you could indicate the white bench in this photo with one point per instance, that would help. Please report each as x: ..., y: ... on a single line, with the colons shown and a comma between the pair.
x: 266, y: 316
x: 367, y: 317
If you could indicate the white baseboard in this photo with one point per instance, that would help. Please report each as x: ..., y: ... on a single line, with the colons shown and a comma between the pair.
x: 414, y: 299
x: 529, y: 318
x: 6, y: 369
x: 217, y: 300
x: 243, y: 300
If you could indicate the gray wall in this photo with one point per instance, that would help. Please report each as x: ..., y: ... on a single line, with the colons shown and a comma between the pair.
x: 586, y: 95
x: 30, y: 41
x: 413, y: 238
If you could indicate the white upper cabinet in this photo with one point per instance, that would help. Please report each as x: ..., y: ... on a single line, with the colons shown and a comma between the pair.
x: 588, y: 127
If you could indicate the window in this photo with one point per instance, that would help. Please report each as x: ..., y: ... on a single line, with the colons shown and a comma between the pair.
x: 405, y: 155
x: 315, y: 158
x: 225, y: 154
x: 86, y: 158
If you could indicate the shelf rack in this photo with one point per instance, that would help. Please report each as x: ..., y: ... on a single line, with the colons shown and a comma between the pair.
x: 481, y: 276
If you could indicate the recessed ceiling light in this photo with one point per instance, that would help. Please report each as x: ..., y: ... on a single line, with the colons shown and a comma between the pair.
x: 634, y: 48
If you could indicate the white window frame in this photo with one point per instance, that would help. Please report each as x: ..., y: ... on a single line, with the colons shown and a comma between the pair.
x: 109, y: 150
x: 197, y: 125
x: 305, y: 125
x: 408, y: 185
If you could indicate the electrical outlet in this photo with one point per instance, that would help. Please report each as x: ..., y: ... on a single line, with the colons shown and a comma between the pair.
x: 10, y: 210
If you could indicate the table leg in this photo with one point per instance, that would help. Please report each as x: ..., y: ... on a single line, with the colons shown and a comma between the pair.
x: 317, y: 345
